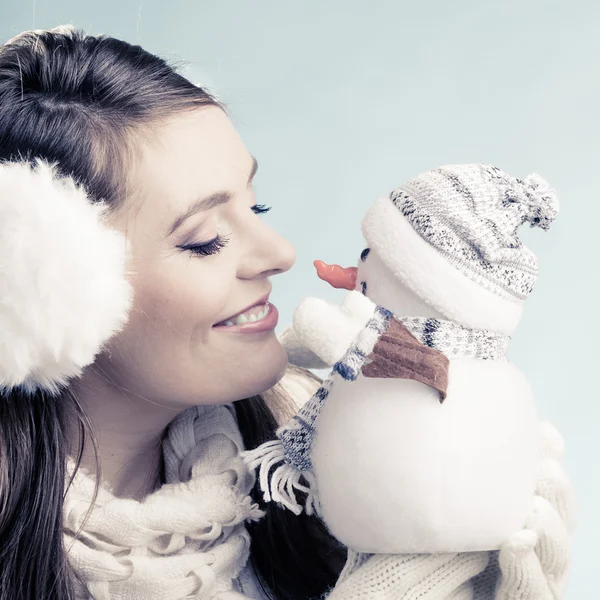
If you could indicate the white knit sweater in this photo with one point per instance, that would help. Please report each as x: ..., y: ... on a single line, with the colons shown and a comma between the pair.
x: 188, y: 539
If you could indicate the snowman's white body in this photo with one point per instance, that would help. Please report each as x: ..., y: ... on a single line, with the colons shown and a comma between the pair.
x: 399, y: 472
x: 396, y: 471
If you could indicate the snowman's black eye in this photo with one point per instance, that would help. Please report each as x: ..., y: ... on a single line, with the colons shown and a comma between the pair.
x: 365, y: 253
x: 363, y: 286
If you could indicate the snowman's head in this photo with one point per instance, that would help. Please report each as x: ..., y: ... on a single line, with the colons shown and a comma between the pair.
x: 405, y: 272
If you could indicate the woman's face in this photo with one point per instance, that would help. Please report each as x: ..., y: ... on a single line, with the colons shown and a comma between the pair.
x: 196, y: 269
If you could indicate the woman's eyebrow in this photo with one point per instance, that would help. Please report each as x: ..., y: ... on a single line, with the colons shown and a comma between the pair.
x: 253, y: 170
x: 209, y: 202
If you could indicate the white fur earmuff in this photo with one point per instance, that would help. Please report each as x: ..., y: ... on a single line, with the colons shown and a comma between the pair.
x: 63, y: 285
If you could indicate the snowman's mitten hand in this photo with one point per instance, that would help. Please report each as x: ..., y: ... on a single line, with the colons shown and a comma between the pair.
x: 409, y: 576
x: 298, y: 354
x: 328, y: 329
x: 521, y: 574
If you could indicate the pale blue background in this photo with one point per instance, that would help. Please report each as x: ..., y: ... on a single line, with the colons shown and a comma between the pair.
x: 343, y: 100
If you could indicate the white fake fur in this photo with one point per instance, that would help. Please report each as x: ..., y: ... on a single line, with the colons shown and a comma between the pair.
x: 399, y: 473
x: 429, y: 274
x: 63, y: 290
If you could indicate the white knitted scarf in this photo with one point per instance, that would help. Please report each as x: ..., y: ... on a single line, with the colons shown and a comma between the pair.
x: 187, y: 539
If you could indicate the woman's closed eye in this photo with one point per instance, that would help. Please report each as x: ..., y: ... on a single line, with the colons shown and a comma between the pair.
x: 208, y: 248
x: 215, y: 245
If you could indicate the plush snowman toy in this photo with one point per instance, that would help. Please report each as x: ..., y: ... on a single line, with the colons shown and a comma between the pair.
x: 423, y: 438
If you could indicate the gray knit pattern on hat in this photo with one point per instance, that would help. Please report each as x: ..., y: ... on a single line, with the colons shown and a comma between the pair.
x: 471, y: 214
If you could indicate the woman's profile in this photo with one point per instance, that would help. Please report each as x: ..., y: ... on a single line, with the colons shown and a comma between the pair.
x: 126, y: 482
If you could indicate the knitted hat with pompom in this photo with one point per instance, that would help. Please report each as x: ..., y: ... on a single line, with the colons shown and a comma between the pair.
x: 450, y: 234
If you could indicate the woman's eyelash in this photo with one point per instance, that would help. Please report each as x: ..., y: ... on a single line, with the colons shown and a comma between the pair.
x: 208, y: 249
x: 260, y: 209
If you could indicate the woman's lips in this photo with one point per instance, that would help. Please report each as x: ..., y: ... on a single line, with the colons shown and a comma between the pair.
x: 267, y: 323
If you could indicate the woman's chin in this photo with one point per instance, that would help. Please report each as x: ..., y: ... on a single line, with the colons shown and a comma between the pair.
x: 245, y: 374
x: 266, y: 369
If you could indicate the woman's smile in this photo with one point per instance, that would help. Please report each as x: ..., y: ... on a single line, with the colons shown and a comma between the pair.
x: 257, y: 318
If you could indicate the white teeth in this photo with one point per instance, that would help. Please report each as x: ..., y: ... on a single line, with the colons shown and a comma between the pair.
x: 252, y: 318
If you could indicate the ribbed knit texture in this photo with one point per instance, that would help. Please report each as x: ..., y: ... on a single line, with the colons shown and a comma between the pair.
x: 412, y: 577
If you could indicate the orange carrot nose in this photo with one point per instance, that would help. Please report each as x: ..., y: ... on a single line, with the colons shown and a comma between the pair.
x: 338, y: 277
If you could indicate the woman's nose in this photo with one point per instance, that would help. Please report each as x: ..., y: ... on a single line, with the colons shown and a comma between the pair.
x: 284, y: 256
x: 271, y: 254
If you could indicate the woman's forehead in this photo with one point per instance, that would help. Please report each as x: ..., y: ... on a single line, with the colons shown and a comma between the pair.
x: 201, y: 148
x: 191, y: 155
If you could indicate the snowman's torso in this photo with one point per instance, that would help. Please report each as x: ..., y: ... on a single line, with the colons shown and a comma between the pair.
x: 399, y: 472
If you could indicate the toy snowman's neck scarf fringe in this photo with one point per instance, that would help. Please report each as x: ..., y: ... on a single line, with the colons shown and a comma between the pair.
x: 284, y: 464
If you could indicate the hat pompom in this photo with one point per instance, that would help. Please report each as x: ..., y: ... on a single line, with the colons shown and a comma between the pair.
x: 63, y: 290
x: 543, y: 204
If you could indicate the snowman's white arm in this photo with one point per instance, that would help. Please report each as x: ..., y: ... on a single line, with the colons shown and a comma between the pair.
x: 328, y: 330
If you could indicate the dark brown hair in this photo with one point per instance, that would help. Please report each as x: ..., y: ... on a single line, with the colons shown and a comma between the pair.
x: 81, y: 102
